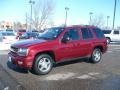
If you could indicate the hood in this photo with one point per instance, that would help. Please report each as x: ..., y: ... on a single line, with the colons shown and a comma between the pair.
x: 27, y: 43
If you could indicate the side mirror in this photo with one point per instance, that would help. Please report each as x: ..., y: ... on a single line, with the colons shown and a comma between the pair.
x: 65, y: 39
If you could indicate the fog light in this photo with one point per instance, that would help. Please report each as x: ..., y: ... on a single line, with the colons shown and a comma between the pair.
x: 19, y: 62
x: 9, y: 59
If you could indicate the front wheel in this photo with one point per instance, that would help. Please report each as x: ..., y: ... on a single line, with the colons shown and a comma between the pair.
x: 96, y: 56
x: 43, y: 64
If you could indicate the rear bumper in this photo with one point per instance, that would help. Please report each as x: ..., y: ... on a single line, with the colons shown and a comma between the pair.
x: 20, y: 61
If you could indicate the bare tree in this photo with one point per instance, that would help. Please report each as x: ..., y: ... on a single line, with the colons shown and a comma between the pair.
x: 17, y: 26
x: 98, y: 20
x: 43, y: 10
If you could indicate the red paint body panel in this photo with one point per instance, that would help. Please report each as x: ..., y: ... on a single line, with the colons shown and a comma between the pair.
x: 61, y: 51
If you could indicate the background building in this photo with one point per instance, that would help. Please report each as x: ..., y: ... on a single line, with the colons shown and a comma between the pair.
x: 6, y: 25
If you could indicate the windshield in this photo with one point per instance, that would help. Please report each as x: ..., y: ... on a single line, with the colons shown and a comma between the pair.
x: 30, y: 34
x: 51, y: 33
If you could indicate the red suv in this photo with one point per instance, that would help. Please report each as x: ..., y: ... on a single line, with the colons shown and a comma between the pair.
x: 59, y: 44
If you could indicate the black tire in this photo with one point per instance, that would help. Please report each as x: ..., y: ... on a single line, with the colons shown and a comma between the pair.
x: 108, y: 40
x: 40, y: 64
x: 96, y: 55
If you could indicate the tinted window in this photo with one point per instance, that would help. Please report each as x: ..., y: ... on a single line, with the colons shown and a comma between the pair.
x: 86, y: 33
x: 116, y: 32
x: 98, y: 33
x: 106, y: 31
x: 72, y: 34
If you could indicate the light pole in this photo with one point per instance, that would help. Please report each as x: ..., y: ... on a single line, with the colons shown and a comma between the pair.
x: 90, y: 21
x: 114, y: 14
x: 31, y: 5
x: 66, y: 14
x: 26, y: 21
x: 107, y: 21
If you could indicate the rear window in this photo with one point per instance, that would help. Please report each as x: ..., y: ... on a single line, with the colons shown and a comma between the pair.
x: 106, y: 31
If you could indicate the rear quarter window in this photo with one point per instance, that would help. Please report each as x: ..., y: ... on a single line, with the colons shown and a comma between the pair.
x: 98, y: 32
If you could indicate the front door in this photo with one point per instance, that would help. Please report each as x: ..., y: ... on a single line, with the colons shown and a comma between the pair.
x: 71, y: 48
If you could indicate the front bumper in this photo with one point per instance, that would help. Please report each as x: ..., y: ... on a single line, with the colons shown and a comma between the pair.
x: 21, y: 61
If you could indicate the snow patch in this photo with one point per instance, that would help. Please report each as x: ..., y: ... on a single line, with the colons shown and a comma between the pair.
x: 60, y: 76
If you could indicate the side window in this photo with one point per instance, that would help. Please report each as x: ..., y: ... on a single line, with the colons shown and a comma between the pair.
x: 86, y: 33
x: 106, y: 31
x: 116, y: 32
x: 72, y: 34
x: 98, y: 33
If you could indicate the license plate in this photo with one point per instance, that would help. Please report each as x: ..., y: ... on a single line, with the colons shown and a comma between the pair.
x: 9, y: 59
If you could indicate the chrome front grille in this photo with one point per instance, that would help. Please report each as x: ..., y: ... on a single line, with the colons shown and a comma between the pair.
x: 14, y: 49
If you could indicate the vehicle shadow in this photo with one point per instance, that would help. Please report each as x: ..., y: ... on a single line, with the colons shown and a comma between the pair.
x: 25, y: 71
x: 71, y: 62
x: 16, y: 69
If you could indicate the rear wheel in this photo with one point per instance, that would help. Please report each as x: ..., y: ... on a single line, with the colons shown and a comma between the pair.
x: 43, y: 64
x: 96, y: 55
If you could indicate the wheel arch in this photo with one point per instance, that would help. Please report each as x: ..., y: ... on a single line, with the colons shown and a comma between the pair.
x: 109, y: 38
x: 92, y: 58
x: 48, y: 52
x: 99, y: 47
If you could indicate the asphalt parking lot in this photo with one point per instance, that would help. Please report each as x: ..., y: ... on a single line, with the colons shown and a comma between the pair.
x: 75, y: 75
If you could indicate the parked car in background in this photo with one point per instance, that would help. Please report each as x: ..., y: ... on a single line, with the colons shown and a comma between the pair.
x: 20, y: 32
x: 9, y: 30
x: 112, y: 35
x: 29, y: 35
x: 7, y: 37
x: 1, y: 37
x: 58, y: 44
x: 1, y: 30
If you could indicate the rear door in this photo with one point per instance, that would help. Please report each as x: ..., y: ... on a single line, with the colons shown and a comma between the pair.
x: 86, y: 43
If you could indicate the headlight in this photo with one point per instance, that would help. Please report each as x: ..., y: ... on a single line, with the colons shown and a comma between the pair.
x: 22, y: 52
